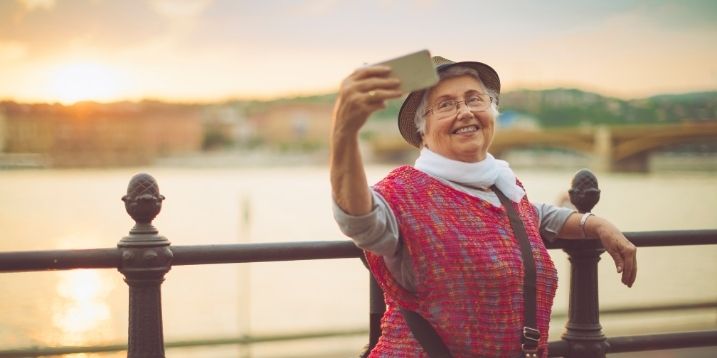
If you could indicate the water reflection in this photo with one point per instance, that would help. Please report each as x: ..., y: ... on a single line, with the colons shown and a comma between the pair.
x: 82, y: 306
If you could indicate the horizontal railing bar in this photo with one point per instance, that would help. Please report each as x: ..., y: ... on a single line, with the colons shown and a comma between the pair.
x: 555, y: 348
x: 59, y: 260
x: 662, y: 341
x: 657, y: 308
x: 242, y: 340
x: 51, y: 351
x: 650, y: 238
x: 288, y: 251
x: 558, y: 348
x: 649, y: 309
x: 672, y: 238
x: 284, y: 251
x: 267, y: 339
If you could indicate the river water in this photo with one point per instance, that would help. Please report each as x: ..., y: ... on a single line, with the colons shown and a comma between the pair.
x: 73, y: 209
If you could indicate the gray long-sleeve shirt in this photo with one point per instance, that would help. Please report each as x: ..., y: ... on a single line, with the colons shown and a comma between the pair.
x: 378, y: 231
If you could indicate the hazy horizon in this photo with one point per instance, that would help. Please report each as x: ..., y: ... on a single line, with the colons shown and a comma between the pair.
x: 309, y: 95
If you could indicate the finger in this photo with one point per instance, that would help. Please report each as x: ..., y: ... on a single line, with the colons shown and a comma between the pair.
x: 371, y: 71
x: 629, y: 272
x: 619, y: 263
x: 634, y: 269
x: 374, y: 83
x: 382, y: 95
x: 375, y: 105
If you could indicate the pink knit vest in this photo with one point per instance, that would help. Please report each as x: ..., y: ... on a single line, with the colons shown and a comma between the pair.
x: 467, y: 267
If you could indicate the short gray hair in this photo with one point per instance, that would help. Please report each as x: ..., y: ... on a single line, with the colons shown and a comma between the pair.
x: 454, y: 71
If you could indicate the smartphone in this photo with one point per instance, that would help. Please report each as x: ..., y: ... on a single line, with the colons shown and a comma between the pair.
x: 415, y: 70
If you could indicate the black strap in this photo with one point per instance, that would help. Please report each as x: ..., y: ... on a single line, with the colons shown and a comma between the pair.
x: 426, y: 335
x: 531, y: 334
x: 432, y: 342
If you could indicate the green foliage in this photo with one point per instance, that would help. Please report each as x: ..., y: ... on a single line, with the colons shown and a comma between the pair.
x: 252, y: 107
x: 558, y: 107
x: 302, y: 146
x: 570, y: 107
x: 390, y: 113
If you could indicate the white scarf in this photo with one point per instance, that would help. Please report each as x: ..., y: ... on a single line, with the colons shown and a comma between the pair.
x: 482, y: 174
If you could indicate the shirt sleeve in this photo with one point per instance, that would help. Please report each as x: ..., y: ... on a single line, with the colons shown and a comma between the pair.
x: 551, y: 218
x: 376, y: 231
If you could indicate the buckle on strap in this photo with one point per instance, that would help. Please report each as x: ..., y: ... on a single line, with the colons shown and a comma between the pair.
x: 531, y: 338
x: 531, y: 334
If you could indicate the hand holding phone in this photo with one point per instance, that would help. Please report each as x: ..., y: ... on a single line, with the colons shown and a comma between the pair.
x: 415, y: 70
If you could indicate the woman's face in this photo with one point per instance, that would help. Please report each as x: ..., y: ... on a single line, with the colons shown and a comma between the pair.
x: 466, y: 135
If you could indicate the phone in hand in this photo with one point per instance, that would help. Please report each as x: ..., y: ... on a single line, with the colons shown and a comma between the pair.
x: 415, y: 70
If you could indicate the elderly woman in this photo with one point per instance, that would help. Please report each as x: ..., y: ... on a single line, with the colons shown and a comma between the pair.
x: 453, y: 241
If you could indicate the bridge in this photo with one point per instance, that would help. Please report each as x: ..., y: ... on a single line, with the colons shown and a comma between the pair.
x: 615, y: 148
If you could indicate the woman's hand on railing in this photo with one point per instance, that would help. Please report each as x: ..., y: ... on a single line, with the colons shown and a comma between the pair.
x: 623, y: 252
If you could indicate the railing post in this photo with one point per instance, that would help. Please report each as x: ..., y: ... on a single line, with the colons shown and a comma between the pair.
x: 583, y: 331
x: 146, y: 257
x: 377, y: 309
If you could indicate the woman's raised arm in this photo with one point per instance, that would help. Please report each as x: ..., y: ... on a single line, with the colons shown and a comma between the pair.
x: 362, y: 93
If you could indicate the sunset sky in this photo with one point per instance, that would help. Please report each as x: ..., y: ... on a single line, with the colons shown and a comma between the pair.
x: 204, y: 50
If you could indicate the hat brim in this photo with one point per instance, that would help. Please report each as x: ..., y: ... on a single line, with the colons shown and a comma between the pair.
x: 407, y: 113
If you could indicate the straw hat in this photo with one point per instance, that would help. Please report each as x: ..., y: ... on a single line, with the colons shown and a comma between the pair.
x: 406, y: 115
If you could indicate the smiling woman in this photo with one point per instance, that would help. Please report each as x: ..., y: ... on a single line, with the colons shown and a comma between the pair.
x: 82, y: 81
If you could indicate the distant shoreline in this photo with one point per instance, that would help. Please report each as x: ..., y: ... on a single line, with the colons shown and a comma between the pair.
x: 659, y: 162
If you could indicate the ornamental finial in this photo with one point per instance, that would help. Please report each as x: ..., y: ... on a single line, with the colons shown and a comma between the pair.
x: 584, y: 191
x: 143, y: 201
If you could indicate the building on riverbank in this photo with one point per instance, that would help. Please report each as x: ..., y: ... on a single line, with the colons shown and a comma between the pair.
x: 97, y: 135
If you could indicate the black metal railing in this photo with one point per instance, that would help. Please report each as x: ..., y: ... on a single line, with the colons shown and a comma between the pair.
x: 144, y: 257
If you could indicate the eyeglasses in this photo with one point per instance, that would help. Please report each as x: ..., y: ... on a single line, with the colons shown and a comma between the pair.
x: 449, y: 107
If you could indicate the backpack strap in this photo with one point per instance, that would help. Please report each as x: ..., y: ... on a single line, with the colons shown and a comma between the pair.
x: 426, y: 335
x: 530, y: 336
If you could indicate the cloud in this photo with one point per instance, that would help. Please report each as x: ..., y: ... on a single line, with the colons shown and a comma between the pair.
x: 38, y: 4
x: 211, y: 49
x: 679, y: 15
x: 629, y: 54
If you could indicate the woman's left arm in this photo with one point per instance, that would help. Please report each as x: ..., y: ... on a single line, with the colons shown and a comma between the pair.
x: 623, y: 252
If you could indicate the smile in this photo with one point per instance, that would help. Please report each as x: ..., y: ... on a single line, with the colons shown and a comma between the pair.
x: 468, y: 129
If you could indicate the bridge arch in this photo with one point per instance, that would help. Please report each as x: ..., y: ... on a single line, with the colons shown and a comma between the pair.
x: 611, y: 148
x: 581, y: 143
x: 652, y: 141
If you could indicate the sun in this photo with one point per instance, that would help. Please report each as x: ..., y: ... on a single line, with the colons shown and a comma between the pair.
x: 84, y: 81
